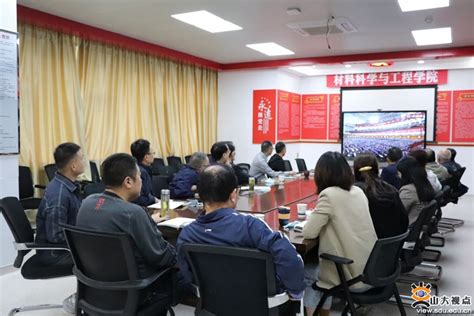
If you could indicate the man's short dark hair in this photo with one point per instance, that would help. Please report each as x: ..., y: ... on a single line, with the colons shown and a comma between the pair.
x: 420, y: 156
x: 216, y: 183
x: 453, y: 153
x: 218, y: 150
x: 430, y: 155
x: 266, y: 145
x: 332, y: 170
x: 394, y: 154
x: 64, y: 153
x: 279, y: 147
x: 140, y: 148
x: 116, y: 168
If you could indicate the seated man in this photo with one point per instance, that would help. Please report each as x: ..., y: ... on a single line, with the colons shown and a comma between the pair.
x: 451, y: 165
x: 112, y: 212
x: 222, y: 225
x: 144, y: 155
x: 184, y: 184
x: 220, y: 153
x: 276, y: 161
x: 60, y: 204
x: 259, y: 167
x: 440, y: 171
x: 390, y: 174
x: 242, y: 177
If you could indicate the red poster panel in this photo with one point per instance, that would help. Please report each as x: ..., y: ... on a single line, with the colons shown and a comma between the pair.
x: 314, y: 116
x: 295, y: 120
x: 463, y: 116
x: 380, y: 79
x: 334, y: 116
x: 264, y: 108
x: 284, y: 115
x: 443, y: 116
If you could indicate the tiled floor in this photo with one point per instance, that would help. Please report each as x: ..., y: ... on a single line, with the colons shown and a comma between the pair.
x: 457, y: 261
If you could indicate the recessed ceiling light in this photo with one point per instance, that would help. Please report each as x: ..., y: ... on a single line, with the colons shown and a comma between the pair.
x: 306, y: 70
x: 270, y: 49
x: 421, y: 62
x: 432, y: 36
x: 381, y: 64
x: 347, y: 66
x: 206, y: 21
x: 415, y: 5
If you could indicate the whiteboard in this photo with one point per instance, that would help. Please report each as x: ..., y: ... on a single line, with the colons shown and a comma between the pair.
x: 393, y: 99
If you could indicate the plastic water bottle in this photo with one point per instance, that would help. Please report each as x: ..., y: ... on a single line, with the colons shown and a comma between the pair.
x: 165, y: 202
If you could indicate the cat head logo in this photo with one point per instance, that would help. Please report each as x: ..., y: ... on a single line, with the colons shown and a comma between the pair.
x: 421, y: 294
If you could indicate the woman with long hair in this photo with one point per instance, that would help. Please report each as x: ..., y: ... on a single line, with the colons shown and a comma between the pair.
x: 386, y: 209
x: 416, y: 190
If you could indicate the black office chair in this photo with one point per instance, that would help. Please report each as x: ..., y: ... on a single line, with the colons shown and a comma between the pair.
x: 50, y: 170
x: 159, y: 183
x: 33, y: 268
x: 108, y: 280
x: 93, y: 188
x: 157, y: 163
x: 174, y: 161
x: 187, y: 158
x: 27, y: 189
x: 301, y: 164
x: 221, y: 277
x: 456, y: 193
x: 95, y: 176
x: 244, y: 166
x: 288, y: 166
x: 381, y: 271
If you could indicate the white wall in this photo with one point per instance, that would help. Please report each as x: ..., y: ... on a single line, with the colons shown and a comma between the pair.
x: 235, y: 112
x: 8, y: 164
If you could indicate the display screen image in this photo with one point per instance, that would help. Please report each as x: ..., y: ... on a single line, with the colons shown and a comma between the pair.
x: 376, y: 132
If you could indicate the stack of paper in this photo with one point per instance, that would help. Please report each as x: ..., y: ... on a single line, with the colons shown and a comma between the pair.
x: 177, y: 223
x: 173, y: 204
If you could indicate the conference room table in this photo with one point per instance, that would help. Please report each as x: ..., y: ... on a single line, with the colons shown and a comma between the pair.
x: 286, y: 193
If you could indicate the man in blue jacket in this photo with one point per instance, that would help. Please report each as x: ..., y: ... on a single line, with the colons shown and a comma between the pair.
x: 222, y: 225
x: 390, y: 173
x: 184, y: 183
x: 142, y: 152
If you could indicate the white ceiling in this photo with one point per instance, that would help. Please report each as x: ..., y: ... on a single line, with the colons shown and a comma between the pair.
x: 382, y: 27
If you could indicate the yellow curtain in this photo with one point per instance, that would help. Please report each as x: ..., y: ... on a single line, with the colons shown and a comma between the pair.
x: 103, y: 97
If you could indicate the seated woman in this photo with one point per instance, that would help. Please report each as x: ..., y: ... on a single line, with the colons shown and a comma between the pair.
x: 386, y: 209
x: 342, y: 222
x: 416, y: 190
x: 422, y: 158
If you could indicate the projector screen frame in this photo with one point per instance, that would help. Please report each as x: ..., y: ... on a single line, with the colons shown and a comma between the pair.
x: 435, y: 86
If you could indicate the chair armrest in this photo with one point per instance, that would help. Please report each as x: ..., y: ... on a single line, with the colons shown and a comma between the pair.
x: 277, y: 300
x: 336, y: 259
x: 40, y: 186
x: 118, y: 285
x: 35, y: 246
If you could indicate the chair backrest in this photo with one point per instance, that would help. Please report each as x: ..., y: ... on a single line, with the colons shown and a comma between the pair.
x: 18, y: 223
x: 25, y: 180
x: 95, y: 176
x: 383, y: 266
x: 288, y: 166
x: 416, y: 231
x: 92, y: 188
x: 187, y: 158
x: 50, y: 170
x: 157, y: 163
x: 301, y: 164
x: 222, y: 275
x: 244, y: 166
x: 457, y: 175
x: 159, y: 183
x: 174, y: 161
x: 110, y: 259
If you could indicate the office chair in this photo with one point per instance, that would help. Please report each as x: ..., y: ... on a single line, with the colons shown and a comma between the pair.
x: 159, y: 183
x: 157, y: 163
x: 27, y: 189
x: 33, y: 268
x: 381, y: 271
x: 50, y: 170
x: 244, y: 166
x: 287, y: 165
x: 221, y: 277
x: 107, y: 276
x: 301, y: 164
x: 456, y: 193
x: 174, y: 161
x: 187, y: 158
x: 95, y: 176
x: 93, y: 188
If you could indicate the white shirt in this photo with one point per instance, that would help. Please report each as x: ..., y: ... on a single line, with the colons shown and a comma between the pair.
x: 260, y: 168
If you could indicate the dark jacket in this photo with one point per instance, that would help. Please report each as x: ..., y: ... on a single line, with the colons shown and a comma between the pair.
x: 386, y: 210
x: 451, y: 166
x: 107, y: 212
x: 390, y: 175
x: 241, y: 174
x: 183, y: 180
x: 227, y: 227
x: 276, y: 163
x: 146, y: 194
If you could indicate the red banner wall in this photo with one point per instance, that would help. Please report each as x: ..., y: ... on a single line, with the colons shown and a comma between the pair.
x: 314, y: 116
x: 334, y: 116
x: 443, y: 116
x: 463, y: 116
x: 289, y: 108
x: 264, y: 116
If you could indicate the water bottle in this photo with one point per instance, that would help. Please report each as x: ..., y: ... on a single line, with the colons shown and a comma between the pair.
x: 165, y: 202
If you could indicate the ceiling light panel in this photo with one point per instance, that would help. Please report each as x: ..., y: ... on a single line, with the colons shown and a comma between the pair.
x: 207, y: 21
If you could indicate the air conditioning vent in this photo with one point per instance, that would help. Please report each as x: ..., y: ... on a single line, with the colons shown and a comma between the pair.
x: 315, y: 28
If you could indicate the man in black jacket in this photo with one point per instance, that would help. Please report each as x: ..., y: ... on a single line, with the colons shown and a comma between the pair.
x: 142, y: 152
x: 276, y: 161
